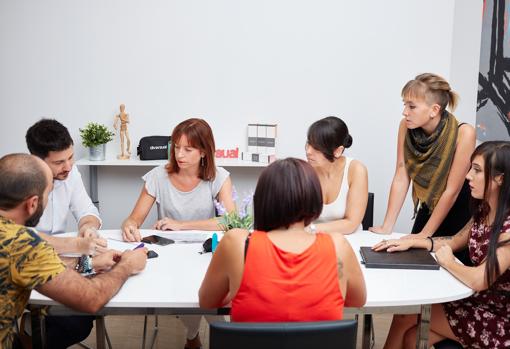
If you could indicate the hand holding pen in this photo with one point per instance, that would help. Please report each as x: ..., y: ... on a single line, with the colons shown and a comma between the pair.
x: 116, y: 258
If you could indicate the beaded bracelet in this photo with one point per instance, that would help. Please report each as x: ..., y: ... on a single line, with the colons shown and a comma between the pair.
x: 431, y: 243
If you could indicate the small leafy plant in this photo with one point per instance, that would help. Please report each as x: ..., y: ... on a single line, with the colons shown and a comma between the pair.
x: 239, y: 218
x: 95, y: 134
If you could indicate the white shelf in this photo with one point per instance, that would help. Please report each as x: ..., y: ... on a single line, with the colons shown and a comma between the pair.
x: 151, y: 163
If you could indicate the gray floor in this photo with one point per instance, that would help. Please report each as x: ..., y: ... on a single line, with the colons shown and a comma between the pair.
x: 126, y: 332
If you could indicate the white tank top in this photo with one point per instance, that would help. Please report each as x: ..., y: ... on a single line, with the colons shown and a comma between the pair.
x: 336, y: 210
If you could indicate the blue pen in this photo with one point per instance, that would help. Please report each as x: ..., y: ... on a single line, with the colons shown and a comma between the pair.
x: 139, y: 246
x: 214, y: 242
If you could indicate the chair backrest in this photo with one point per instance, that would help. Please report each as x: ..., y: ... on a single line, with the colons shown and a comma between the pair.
x: 368, y: 219
x: 283, y: 335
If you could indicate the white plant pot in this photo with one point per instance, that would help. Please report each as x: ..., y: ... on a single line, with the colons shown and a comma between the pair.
x: 97, y: 153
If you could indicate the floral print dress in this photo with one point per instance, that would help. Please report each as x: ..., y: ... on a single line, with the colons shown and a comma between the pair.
x: 482, y: 320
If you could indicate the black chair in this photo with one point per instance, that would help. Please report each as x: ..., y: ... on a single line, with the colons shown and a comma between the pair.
x: 368, y: 219
x: 448, y: 344
x: 368, y: 325
x: 283, y: 335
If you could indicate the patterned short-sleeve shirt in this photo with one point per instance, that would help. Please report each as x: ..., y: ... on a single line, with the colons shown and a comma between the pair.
x: 26, y: 261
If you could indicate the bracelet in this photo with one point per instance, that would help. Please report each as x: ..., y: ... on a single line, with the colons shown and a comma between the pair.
x: 431, y: 243
x: 84, y: 265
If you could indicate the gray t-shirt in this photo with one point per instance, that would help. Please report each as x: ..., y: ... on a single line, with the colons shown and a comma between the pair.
x: 196, y: 204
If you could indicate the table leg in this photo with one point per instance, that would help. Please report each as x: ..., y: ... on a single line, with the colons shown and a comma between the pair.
x: 422, y: 335
x: 93, y: 185
x: 144, y: 337
x: 100, y: 332
x: 38, y: 328
x: 367, y: 331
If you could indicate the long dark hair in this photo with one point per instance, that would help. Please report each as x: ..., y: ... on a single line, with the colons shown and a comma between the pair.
x: 496, y: 155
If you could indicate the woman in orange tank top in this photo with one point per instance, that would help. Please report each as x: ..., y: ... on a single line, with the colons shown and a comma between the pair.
x: 282, y: 272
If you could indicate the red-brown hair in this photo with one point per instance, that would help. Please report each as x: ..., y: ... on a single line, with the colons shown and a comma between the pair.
x: 200, y: 136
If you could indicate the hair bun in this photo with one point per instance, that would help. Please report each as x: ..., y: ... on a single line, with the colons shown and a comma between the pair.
x: 347, y: 141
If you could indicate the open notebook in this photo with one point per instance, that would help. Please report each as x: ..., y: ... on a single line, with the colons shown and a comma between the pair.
x: 412, y: 259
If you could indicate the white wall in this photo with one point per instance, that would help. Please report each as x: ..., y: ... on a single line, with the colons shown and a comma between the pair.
x: 288, y: 62
x: 465, y: 56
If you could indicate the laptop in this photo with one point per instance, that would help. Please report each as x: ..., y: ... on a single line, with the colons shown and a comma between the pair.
x: 415, y: 258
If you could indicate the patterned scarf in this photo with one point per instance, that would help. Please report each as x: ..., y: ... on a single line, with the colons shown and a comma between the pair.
x: 428, y: 159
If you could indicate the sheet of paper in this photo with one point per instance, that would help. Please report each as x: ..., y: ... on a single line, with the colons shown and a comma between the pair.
x: 189, y: 237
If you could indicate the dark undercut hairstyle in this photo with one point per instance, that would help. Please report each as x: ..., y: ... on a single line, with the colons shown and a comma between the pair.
x: 288, y: 191
x: 325, y: 135
x: 496, y: 156
x: 47, y: 135
x: 21, y: 176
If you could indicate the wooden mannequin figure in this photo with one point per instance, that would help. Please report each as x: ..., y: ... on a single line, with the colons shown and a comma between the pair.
x: 123, y: 118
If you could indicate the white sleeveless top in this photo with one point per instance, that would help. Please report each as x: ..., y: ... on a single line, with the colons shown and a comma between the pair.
x: 336, y: 210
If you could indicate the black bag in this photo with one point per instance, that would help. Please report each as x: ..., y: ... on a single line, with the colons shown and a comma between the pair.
x: 207, y: 245
x: 153, y: 148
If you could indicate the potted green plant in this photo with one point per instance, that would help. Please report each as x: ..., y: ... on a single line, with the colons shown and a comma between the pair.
x: 95, y: 136
x: 239, y: 218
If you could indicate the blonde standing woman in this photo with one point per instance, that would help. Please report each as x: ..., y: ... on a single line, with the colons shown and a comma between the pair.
x: 483, y: 319
x: 433, y: 152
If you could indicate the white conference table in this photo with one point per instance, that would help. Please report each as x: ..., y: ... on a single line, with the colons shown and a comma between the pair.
x: 169, y: 285
x: 403, y: 291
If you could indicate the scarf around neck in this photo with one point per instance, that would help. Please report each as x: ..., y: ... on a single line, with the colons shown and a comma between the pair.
x: 428, y: 159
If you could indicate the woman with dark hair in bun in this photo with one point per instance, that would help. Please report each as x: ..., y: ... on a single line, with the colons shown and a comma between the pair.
x: 344, y: 181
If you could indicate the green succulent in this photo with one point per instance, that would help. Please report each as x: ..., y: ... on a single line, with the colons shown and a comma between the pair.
x: 95, y: 134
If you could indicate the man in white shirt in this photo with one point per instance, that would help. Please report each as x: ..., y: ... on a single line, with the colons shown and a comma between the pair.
x: 50, y: 140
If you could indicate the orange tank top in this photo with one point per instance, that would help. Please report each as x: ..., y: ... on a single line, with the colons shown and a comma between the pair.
x: 280, y: 286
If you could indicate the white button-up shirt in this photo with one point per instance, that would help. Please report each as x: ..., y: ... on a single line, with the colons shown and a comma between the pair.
x: 67, y: 195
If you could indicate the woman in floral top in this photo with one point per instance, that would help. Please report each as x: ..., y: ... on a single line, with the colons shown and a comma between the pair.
x: 482, y: 320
